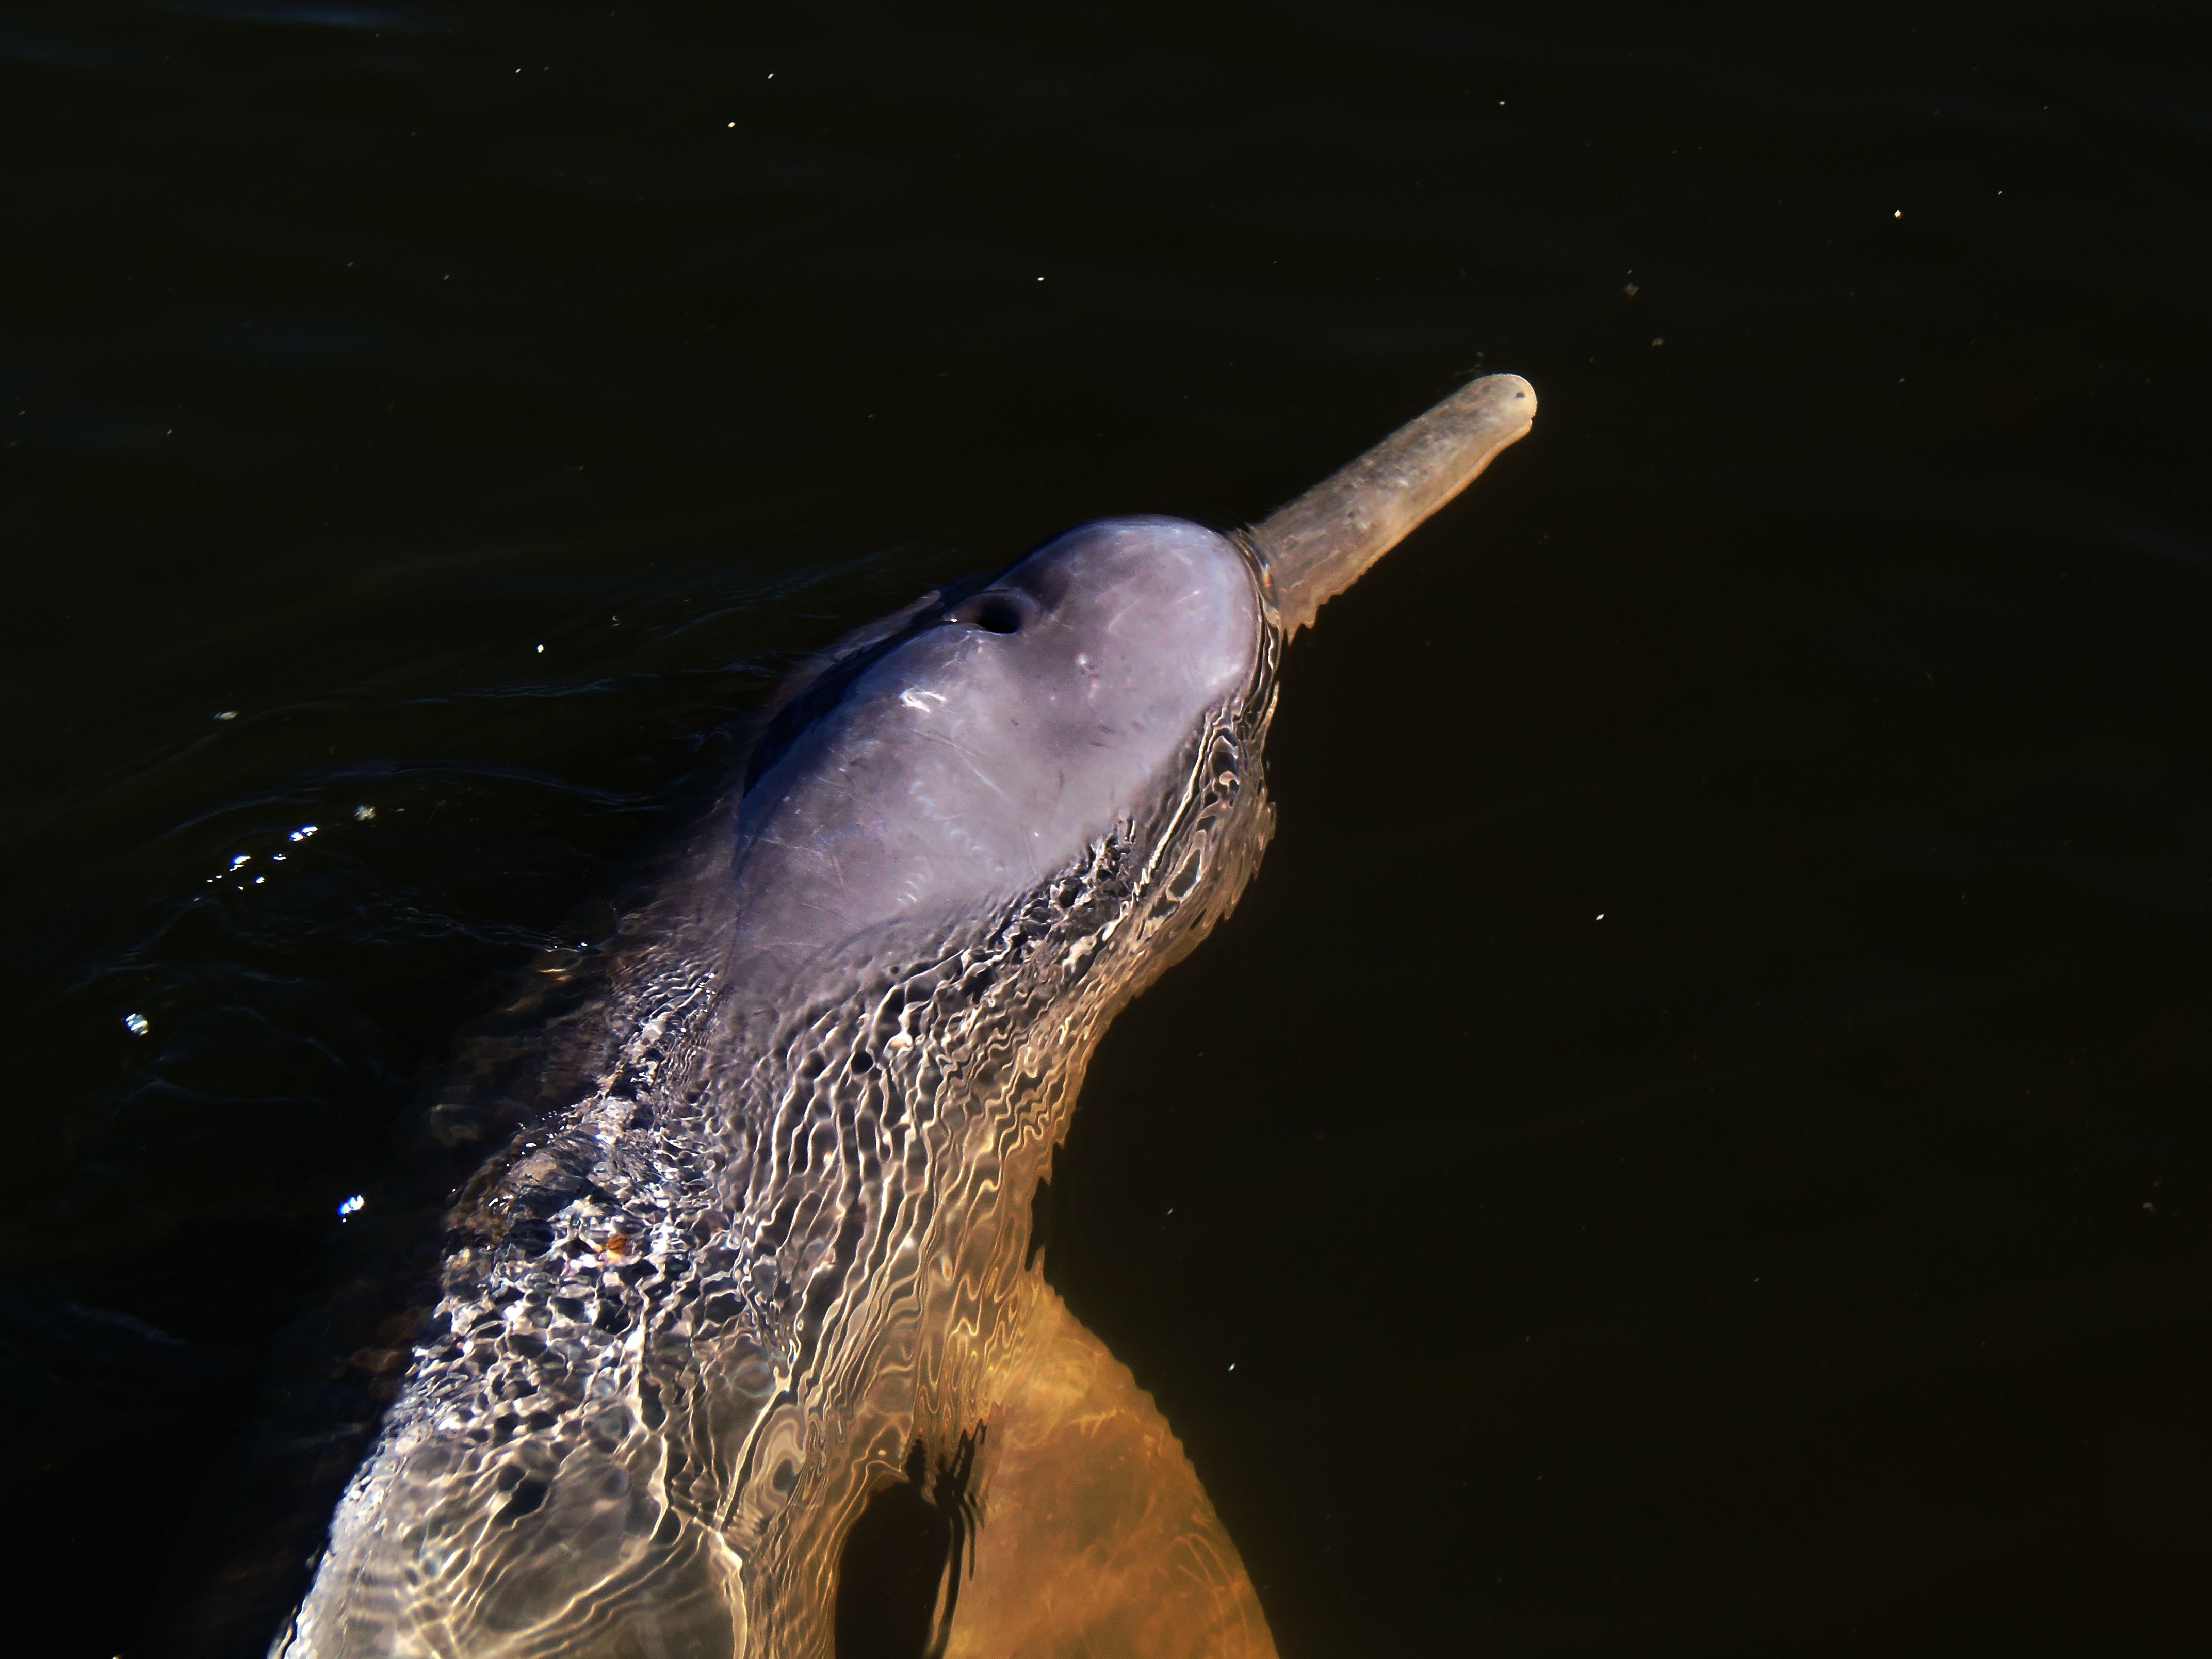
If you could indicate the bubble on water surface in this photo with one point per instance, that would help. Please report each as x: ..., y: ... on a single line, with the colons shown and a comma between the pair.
x: 136, y: 1024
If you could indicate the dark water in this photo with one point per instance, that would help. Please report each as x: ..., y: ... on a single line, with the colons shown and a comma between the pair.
x: 1811, y: 1255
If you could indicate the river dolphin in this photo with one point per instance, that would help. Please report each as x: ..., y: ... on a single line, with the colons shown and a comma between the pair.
x: 741, y: 1352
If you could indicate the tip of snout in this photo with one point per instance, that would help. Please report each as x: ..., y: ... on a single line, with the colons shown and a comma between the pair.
x: 1323, y: 542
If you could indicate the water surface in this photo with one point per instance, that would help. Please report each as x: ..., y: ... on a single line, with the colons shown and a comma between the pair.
x: 1695, y: 1139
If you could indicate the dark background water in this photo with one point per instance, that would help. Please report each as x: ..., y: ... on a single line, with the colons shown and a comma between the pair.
x: 1809, y: 1257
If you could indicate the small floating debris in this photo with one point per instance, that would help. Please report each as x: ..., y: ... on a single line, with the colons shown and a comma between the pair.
x: 350, y: 1207
x: 363, y: 814
x: 136, y: 1024
x: 228, y: 715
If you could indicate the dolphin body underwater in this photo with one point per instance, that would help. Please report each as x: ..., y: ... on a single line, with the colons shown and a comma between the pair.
x: 741, y: 1354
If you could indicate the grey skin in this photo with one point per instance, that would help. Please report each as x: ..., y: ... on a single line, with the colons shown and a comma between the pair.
x: 772, y: 1256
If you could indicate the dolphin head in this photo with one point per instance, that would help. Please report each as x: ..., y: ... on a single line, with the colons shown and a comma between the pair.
x: 958, y: 754
x: 962, y: 760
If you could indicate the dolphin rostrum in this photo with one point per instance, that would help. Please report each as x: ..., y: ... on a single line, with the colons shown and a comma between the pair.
x: 740, y: 1352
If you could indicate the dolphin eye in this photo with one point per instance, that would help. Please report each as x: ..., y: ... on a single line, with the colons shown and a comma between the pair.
x: 994, y: 613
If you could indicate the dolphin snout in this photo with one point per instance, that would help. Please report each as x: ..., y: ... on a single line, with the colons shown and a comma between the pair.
x: 1330, y: 537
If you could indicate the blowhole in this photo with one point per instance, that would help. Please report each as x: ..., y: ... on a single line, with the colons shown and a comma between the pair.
x: 994, y: 613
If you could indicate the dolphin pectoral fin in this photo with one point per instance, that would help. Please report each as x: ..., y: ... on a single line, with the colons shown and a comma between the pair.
x: 1096, y: 1539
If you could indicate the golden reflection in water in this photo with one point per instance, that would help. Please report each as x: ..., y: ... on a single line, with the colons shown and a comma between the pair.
x: 1096, y: 1538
